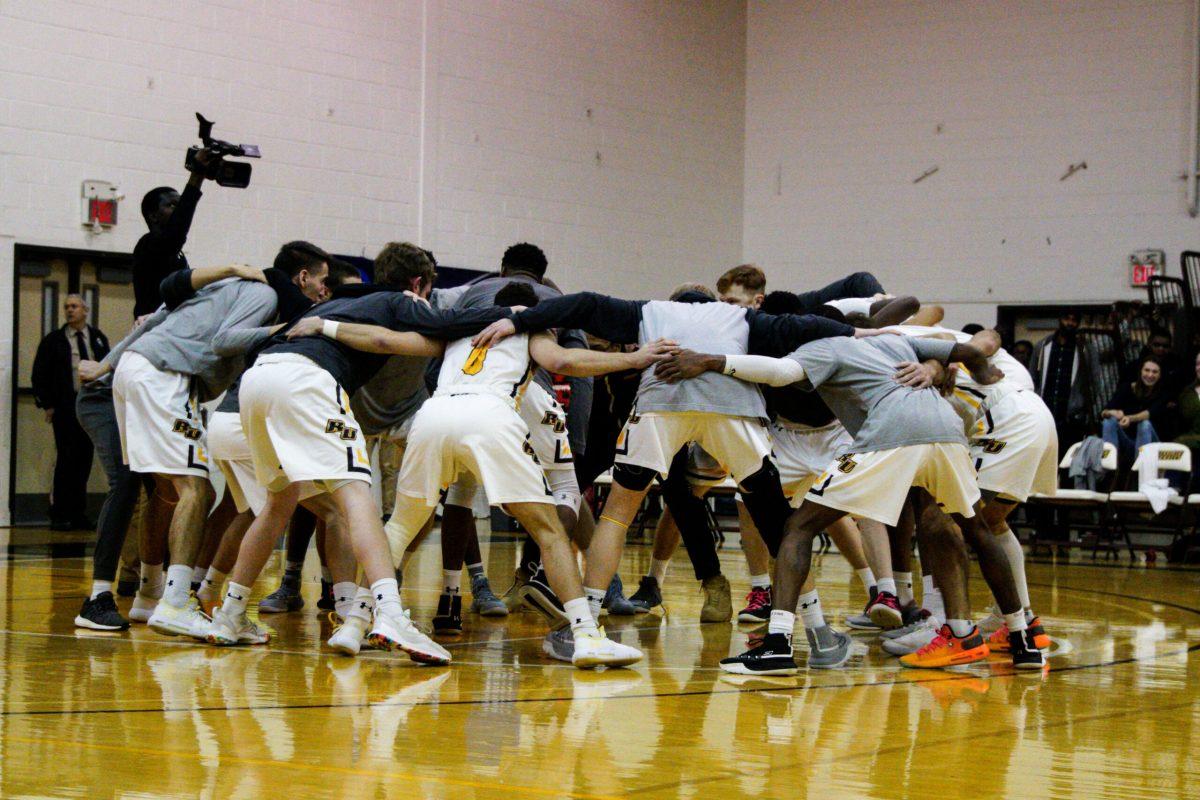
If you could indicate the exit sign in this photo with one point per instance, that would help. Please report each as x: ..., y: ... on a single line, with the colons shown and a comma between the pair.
x: 1145, y: 264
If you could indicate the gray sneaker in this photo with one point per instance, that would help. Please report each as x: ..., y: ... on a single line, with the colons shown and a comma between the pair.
x: 560, y: 644
x: 861, y: 622
x: 484, y: 601
x: 615, y: 601
x: 828, y: 649
x: 896, y: 633
x: 284, y: 599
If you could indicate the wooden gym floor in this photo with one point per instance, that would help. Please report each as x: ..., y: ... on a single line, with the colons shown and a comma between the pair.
x: 140, y: 715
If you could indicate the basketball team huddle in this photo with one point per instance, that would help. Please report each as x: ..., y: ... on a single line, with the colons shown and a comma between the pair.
x: 841, y: 410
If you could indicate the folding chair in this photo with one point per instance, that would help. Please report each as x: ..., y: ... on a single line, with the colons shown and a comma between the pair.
x: 1082, y: 510
x: 1132, y: 508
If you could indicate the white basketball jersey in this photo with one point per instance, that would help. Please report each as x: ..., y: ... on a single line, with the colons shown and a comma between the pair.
x: 971, y: 399
x: 502, y: 369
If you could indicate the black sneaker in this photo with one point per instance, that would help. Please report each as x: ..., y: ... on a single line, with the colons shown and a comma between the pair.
x: 537, y: 594
x: 448, y: 619
x: 912, y: 613
x: 1024, y: 654
x: 326, y: 601
x: 647, y: 596
x: 772, y: 657
x: 101, y: 614
x: 285, y: 599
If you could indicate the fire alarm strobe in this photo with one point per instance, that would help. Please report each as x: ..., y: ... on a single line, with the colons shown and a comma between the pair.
x: 100, y: 199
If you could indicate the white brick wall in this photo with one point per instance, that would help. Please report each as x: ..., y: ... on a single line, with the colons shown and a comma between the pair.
x: 843, y: 104
x: 459, y: 124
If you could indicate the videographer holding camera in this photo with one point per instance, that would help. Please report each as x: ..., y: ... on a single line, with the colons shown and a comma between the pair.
x: 160, y: 251
x: 169, y: 214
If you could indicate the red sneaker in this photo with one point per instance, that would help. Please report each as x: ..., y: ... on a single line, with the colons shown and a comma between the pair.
x: 885, y: 611
x: 758, y: 606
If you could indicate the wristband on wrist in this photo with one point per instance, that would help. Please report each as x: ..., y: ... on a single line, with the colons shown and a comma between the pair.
x: 329, y: 329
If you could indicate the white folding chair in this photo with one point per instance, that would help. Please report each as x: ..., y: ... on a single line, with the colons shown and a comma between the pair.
x: 1083, y: 510
x: 1154, y: 461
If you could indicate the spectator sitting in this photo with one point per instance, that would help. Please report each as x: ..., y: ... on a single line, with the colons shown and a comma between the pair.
x: 1175, y: 374
x: 1130, y: 417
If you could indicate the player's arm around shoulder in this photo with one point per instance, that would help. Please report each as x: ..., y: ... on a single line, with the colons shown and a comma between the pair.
x: 583, y: 363
x: 368, y: 338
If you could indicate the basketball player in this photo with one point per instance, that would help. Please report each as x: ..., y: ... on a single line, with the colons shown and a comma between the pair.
x: 903, y: 437
x: 296, y: 415
x: 471, y: 425
x: 725, y: 416
x: 158, y: 385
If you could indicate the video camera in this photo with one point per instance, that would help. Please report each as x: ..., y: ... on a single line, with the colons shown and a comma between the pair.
x: 226, y: 173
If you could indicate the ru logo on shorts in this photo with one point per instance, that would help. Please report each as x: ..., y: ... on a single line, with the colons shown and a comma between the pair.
x: 184, y: 427
x: 340, y: 428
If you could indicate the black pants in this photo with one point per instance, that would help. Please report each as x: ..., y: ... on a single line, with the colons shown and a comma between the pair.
x: 96, y: 414
x: 72, y: 465
x: 691, y: 516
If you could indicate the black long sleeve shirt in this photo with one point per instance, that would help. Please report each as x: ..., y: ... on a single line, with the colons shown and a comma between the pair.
x: 619, y: 321
x: 383, y: 306
x: 160, y: 252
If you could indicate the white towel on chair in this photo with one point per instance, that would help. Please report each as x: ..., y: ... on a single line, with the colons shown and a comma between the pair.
x: 1158, y: 492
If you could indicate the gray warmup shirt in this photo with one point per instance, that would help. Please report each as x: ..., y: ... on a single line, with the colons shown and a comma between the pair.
x: 191, y: 338
x: 706, y: 328
x: 854, y: 378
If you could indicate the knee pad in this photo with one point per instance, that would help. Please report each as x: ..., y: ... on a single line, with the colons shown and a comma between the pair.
x: 632, y: 477
x: 763, y: 496
x: 565, y: 488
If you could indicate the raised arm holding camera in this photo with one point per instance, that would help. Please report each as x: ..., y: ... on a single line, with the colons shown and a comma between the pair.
x: 169, y: 214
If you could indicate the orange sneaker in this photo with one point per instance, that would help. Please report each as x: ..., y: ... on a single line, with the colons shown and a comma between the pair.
x: 1041, y: 639
x: 947, y: 650
x: 998, y: 641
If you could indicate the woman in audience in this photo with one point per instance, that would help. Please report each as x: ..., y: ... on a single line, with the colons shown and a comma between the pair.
x: 1129, y: 419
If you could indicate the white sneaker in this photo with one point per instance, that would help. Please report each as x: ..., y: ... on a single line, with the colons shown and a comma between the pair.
x: 143, y: 608
x: 397, y: 632
x: 922, y: 634
x: 185, y: 620
x: 347, y: 637
x: 598, y: 650
x: 228, y: 629
x: 992, y: 622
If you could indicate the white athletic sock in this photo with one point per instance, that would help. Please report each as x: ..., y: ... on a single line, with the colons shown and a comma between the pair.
x: 886, y: 585
x: 904, y: 592
x: 326, y: 575
x: 867, y: 577
x: 782, y: 622
x: 960, y: 627
x: 179, y: 583
x: 1016, y: 560
x: 1016, y: 621
x: 236, y: 599
x: 152, y: 581
x: 926, y: 588
x: 595, y: 598
x: 387, y: 596
x: 214, y: 579
x: 198, y: 574
x: 810, y: 611
x: 363, y: 605
x: 658, y: 569
x: 935, y: 605
x: 760, y: 581
x: 344, y: 593
x: 451, y: 581
x: 580, y: 613
x: 100, y: 587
